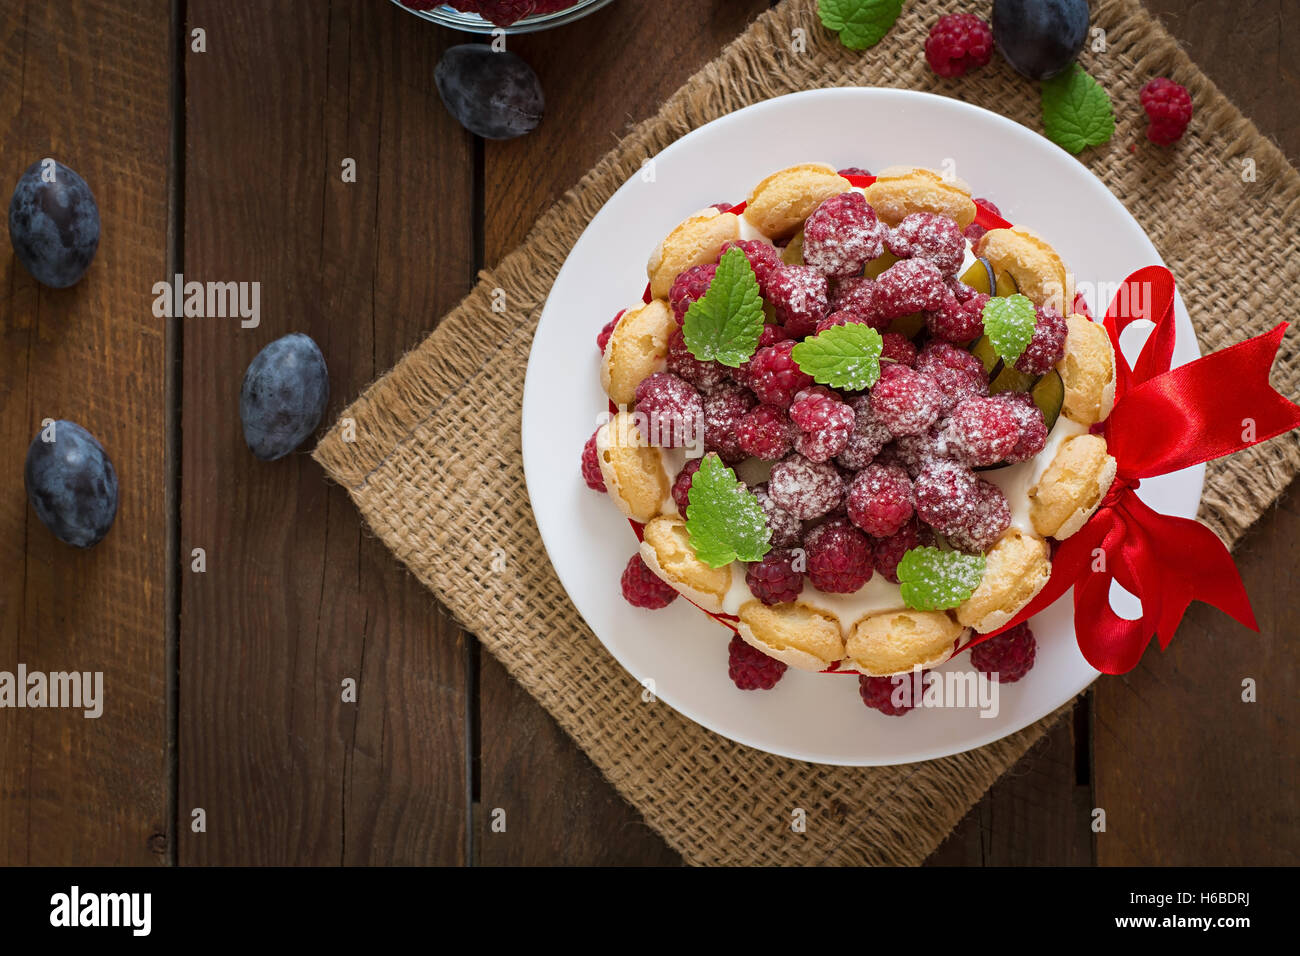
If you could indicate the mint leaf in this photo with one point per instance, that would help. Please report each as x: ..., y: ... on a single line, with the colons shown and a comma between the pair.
x: 724, y: 324
x: 1009, y: 323
x: 860, y: 23
x: 933, y: 580
x: 1076, y: 111
x: 844, y: 356
x: 723, y: 518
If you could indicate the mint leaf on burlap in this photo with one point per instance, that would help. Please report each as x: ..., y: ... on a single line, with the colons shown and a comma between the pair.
x: 860, y: 23
x: 1077, y: 112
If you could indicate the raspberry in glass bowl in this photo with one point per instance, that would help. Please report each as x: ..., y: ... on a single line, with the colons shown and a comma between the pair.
x: 512, y: 16
x: 848, y: 426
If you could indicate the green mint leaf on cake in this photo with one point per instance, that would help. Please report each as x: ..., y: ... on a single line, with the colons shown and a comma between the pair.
x: 723, y: 518
x: 934, y: 580
x: 860, y: 23
x: 725, y: 323
x: 1009, y: 323
x: 1077, y: 112
x: 844, y: 356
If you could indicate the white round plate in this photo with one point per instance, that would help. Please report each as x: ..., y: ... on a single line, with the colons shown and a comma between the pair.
x: 816, y: 717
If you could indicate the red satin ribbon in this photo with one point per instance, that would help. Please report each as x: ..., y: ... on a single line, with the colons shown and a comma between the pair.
x: 1163, y: 420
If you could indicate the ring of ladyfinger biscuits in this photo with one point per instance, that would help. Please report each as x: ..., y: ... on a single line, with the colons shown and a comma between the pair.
x: 888, y: 640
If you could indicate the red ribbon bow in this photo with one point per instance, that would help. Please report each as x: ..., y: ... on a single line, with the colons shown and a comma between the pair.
x: 1163, y: 420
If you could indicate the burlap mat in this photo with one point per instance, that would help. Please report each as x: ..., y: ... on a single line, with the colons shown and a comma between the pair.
x: 435, y: 466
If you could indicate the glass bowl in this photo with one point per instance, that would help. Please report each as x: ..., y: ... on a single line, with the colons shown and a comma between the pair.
x: 472, y: 23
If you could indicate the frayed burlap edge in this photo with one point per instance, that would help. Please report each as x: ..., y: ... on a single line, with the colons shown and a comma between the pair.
x: 435, y: 468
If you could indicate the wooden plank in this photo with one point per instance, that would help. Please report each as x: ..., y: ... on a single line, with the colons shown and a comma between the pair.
x: 1187, y: 772
x: 297, y: 596
x: 76, y: 790
x: 600, y: 75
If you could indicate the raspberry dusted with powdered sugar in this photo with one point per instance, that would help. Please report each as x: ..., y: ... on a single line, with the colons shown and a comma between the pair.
x: 804, y: 488
x: 1047, y: 346
x: 787, y: 530
x: 824, y: 422
x: 980, y: 432
x: 887, y: 552
x: 763, y: 257
x: 723, y: 409
x: 602, y: 337
x: 897, y: 348
x: 682, y: 483
x: 842, y: 317
x: 690, y: 285
x: 839, y: 557
x: 927, y: 235
x: 960, y: 318
x: 798, y: 295
x: 1031, y: 429
x: 969, y: 511
x: 959, y: 373
x: 774, y: 375
x: 643, y: 588
x: 905, y: 401
x: 859, y: 296
x: 765, y: 431
x: 842, y: 235
x: 914, y: 453
x: 880, y: 500
x: 590, y: 466
x: 774, y: 579
x: 669, y: 412
x: 1007, y: 656
x: 751, y: 669
x: 909, y: 285
x: 869, y: 436
x: 703, y: 375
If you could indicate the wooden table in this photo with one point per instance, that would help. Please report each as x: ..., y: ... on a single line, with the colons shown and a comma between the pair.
x: 223, y: 685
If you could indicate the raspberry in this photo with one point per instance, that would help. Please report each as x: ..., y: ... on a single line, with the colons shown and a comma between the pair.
x: 909, y: 285
x: 750, y: 668
x: 842, y: 235
x: 798, y: 296
x: 723, y: 409
x: 804, y: 488
x: 967, y: 510
x: 869, y: 436
x: 774, y: 376
x: 703, y: 375
x: 898, y: 348
x: 914, y: 453
x: 853, y: 171
x: 642, y: 588
x: 787, y: 530
x: 839, y: 557
x: 765, y: 432
x: 1047, y: 346
x: 957, y: 44
x: 927, y: 235
x: 960, y: 318
x: 905, y: 401
x: 988, y: 204
x: 1031, y: 435
x: 1008, y: 655
x: 763, y: 257
x: 670, y: 413
x: 1168, y: 106
x: 682, y: 483
x: 842, y: 317
x: 824, y: 422
x: 980, y: 432
x: 887, y: 552
x: 689, y: 286
x: 590, y: 467
x: 880, y: 500
x: 858, y: 295
x: 774, y: 579
x: 973, y: 233
x: 602, y: 337
x: 878, y: 693
x: 772, y: 334
x: 959, y: 373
